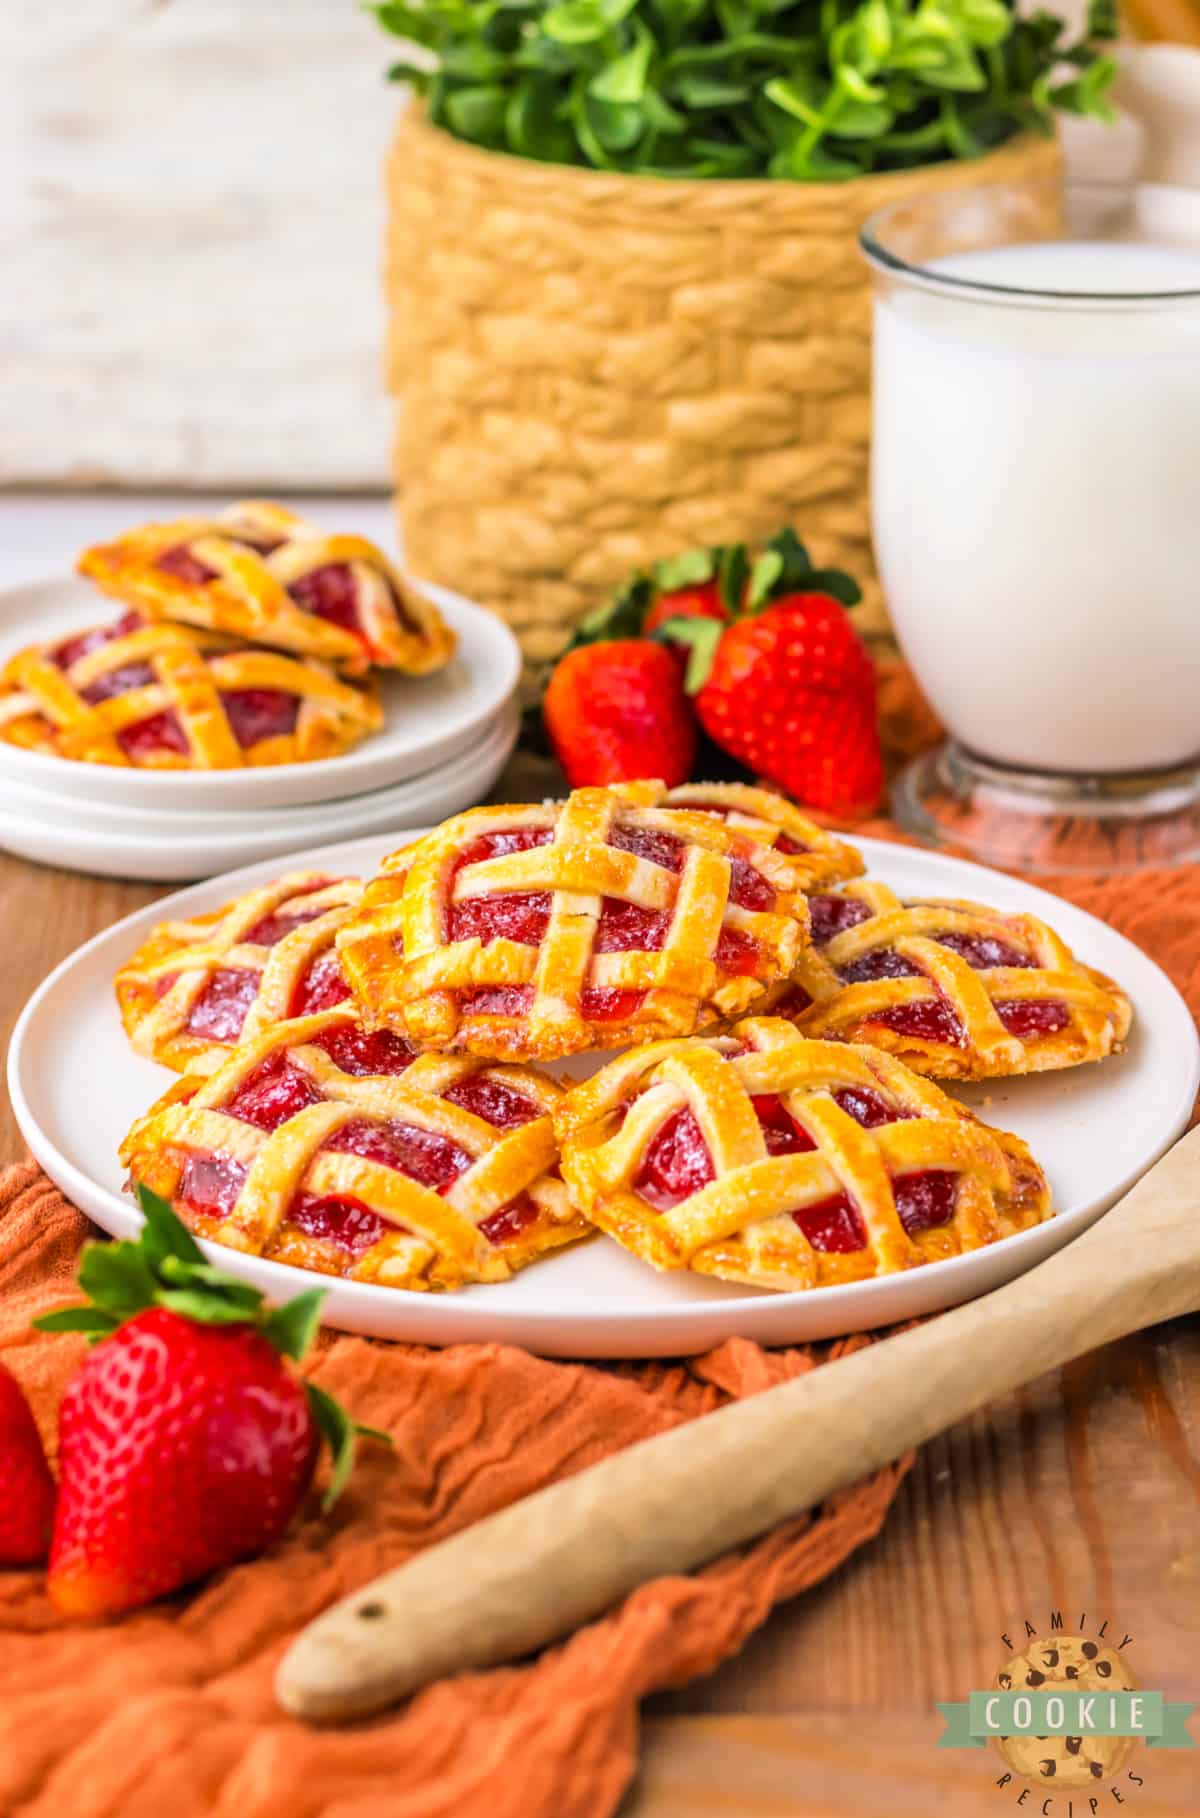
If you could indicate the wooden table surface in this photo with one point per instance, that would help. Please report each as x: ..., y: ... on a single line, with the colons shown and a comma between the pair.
x: 1080, y: 1494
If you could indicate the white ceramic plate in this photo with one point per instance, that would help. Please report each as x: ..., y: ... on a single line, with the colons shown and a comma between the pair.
x: 110, y: 841
x: 76, y: 1087
x: 427, y: 718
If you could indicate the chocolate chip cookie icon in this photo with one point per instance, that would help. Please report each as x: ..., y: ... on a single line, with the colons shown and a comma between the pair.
x: 1066, y: 1663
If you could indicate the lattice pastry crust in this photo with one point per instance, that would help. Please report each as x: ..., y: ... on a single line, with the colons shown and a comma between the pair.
x: 265, y: 574
x: 161, y: 697
x: 536, y: 931
x: 194, y: 989
x: 331, y: 1148
x: 956, y: 990
x: 762, y: 1157
x: 818, y: 857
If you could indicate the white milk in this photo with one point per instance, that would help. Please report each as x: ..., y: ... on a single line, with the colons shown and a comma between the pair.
x: 1036, y: 492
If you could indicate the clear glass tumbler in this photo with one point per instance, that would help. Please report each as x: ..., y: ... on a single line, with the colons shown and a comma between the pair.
x: 1036, y: 510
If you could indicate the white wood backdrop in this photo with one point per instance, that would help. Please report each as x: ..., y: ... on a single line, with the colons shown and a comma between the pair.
x: 190, y: 224
x: 190, y: 235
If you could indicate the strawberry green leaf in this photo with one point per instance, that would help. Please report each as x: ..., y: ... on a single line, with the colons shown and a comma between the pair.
x: 690, y: 569
x: 340, y: 1434
x: 785, y: 567
x: 179, y: 1274
x: 204, y: 1308
x: 293, y: 1327
x: 733, y: 571
x: 702, y: 637
x: 621, y: 617
x: 164, y: 1234
x: 763, y: 576
x: 117, y: 1277
x: 78, y: 1319
x: 838, y: 585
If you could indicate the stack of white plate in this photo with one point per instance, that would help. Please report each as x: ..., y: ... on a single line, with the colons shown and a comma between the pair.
x: 445, y: 740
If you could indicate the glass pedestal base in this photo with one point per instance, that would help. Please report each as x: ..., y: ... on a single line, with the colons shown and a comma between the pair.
x: 1024, y: 820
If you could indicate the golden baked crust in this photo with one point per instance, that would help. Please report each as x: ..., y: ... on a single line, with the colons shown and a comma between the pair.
x: 161, y: 697
x: 954, y: 989
x: 194, y: 989
x: 540, y: 930
x: 818, y: 856
x: 762, y: 1157
x: 431, y: 1171
x: 261, y: 572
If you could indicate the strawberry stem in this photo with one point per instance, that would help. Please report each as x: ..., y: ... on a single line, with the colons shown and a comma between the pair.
x: 165, y: 1267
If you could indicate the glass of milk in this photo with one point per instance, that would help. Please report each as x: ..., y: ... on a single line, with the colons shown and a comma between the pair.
x: 1036, y: 510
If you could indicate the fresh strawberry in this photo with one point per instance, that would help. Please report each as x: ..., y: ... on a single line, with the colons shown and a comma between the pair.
x: 26, y: 1486
x: 615, y: 711
x: 790, y: 693
x: 186, y: 1442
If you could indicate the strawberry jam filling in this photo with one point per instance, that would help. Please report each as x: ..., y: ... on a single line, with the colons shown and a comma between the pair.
x: 284, y: 917
x: 497, y: 1000
x: 181, y: 563
x: 363, y: 1052
x: 981, y: 950
x: 65, y: 654
x: 494, y: 1100
x: 346, y: 1224
x: 273, y: 1094
x: 331, y: 593
x: 423, y: 1155
x: 510, y: 1221
x: 609, y: 1003
x: 511, y: 917
x: 158, y: 732
x: 221, y: 1008
x: 678, y: 1163
x: 209, y: 1185
x: 1033, y: 1016
x: 930, y: 1021
x: 256, y: 714
x: 117, y: 681
x: 322, y: 986
x: 832, y: 915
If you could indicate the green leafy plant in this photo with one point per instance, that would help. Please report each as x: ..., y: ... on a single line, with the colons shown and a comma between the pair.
x: 813, y: 90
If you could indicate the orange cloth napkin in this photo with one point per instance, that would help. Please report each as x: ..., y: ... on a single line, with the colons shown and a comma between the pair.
x: 171, y: 1710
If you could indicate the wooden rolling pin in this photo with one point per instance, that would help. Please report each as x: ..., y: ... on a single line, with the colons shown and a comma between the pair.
x: 541, y: 1567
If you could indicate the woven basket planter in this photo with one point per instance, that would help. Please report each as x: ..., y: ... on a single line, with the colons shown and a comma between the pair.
x: 597, y: 370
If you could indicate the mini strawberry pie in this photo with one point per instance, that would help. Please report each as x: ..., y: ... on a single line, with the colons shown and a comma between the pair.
x: 339, y: 1149
x: 161, y: 697
x: 957, y: 990
x: 196, y: 988
x: 763, y: 1157
x: 259, y: 571
x: 537, y: 931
